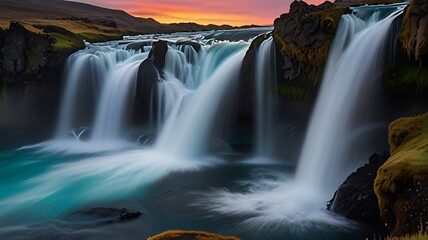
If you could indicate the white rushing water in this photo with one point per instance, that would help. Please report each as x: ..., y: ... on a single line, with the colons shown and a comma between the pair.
x: 190, y: 93
x: 265, y: 78
x: 354, y: 64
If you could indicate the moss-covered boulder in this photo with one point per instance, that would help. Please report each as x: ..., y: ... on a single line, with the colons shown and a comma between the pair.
x: 306, y: 32
x: 401, y: 184
x: 303, y: 37
x: 190, y: 235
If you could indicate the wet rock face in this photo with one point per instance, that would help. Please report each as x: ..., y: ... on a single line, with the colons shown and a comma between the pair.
x: 14, y: 48
x: 414, y: 30
x: 146, y: 89
x: 158, y: 52
x: 410, y: 209
x: 355, y: 198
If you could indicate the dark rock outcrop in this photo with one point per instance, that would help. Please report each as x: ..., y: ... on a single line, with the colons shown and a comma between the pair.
x: 158, y: 52
x: 149, y: 73
x: 14, y: 50
x: 30, y: 83
x: 355, y: 198
x: 306, y: 32
x: 414, y: 29
x: 112, y: 214
x: 302, y: 38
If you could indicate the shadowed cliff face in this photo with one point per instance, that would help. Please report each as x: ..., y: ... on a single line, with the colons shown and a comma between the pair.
x: 31, y: 70
x: 414, y: 30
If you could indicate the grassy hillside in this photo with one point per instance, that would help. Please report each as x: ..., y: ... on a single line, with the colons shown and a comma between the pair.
x: 90, y: 22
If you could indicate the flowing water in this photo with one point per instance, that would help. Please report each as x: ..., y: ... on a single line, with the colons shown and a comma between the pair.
x: 181, y: 170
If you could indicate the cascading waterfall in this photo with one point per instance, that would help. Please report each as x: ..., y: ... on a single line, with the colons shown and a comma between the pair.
x: 190, y: 127
x: 355, y: 61
x: 91, y: 73
x: 116, y: 100
x: 265, y: 79
x: 187, y: 109
x: 297, y: 204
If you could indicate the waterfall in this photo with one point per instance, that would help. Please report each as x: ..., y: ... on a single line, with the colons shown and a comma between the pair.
x: 92, y: 75
x: 116, y: 101
x: 265, y: 80
x: 278, y: 201
x: 354, y: 63
x: 191, y: 126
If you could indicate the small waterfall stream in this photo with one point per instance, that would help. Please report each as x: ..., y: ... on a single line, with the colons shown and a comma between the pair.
x: 266, y: 104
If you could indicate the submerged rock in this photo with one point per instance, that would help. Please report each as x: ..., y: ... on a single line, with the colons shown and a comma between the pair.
x: 112, y: 214
x: 401, y: 184
x: 355, y: 198
x: 190, y: 235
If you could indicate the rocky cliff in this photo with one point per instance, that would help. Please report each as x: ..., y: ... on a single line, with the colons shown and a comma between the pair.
x: 31, y: 69
x: 408, y: 78
x: 303, y: 37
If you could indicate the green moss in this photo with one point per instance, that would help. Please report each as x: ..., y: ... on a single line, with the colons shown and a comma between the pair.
x: 292, y: 93
x: 95, y: 37
x: 408, y: 139
x: 408, y: 79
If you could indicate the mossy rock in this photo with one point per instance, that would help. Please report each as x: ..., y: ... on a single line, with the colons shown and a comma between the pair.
x: 315, y: 56
x: 190, y: 235
x: 414, y: 29
x: 407, y: 166
x: 408, y: 79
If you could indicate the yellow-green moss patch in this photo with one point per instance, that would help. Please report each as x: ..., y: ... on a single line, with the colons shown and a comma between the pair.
x: 408, y: 139
x: 190, y: 235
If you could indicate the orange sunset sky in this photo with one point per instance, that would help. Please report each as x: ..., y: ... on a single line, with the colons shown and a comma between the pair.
x: 233, y: 12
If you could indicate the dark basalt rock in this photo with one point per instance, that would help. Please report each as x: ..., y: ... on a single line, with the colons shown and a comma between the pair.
x: 14, y: 49
x: 30, y: 80
x: 149, y: 74
x: 112, y: 214
x: 305, y: 25
x: 355, y: 198
x: 409, y: 213
x: 158, y: 52
x: 139, y: 45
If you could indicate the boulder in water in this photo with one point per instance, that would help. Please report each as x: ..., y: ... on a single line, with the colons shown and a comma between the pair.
x: 111, y: 214
x: 355, y: 198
